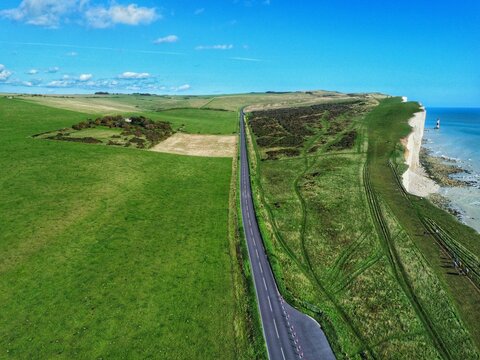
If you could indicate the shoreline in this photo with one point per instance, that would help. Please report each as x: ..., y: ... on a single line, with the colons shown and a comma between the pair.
x: 415, y: 180
x: 443, y: 170
x: 434, y: 177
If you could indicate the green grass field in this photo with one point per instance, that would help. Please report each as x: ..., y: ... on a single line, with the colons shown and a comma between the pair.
x: 111, y: 104
x: 342, y: 246
x: 184, y: 116
x: 201, y: 121
x: 112, y: 252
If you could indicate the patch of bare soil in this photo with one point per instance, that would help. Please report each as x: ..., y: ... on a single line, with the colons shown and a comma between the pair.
x: 198, y: 145
x: 83, y: 104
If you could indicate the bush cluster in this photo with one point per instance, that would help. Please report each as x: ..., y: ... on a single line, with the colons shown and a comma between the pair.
x: 138, y: 126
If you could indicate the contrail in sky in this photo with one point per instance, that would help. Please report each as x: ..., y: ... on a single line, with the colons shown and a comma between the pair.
x: 92, y: 48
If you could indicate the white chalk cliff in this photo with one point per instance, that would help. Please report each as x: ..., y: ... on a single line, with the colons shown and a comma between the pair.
x: 415, y: 180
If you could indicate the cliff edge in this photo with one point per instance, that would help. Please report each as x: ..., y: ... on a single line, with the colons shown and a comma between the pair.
x: 415, y: 179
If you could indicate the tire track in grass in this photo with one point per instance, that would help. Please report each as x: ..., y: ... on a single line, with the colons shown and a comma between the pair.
x: 347, y: 280
x: 397, y: 266
x: 334, y: 273
x: 308, y: 270
x: 319, y: 283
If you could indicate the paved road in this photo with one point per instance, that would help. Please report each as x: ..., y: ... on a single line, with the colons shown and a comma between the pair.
x: 288, y: 333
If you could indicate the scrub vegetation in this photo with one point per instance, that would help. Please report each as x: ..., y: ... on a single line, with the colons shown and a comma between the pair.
x: 347, y: 244
x: 136, y: 131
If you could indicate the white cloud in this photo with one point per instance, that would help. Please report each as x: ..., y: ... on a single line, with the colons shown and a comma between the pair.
x: 199, y: 11
x: 245, y: 59
x: 134, y: 75
x: 102, y: 17
x: 4, y: 73
x: 53, y: 13
x: 85, y: 77
x: 215, y: 47
x: 182, y: 88
x: 59, y: 83
x: 72, y: 53
x: 129, y: 80
x: 53, y: 70
x: 167, y: 39
x: 47, y: 13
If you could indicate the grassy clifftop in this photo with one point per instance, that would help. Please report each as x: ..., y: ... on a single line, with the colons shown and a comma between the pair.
x: 340, y: 239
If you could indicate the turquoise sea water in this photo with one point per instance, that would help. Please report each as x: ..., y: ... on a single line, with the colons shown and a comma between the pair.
x: 458, y: 139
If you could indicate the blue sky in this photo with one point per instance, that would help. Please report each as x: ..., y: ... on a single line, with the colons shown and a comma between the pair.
x: 429, y: 51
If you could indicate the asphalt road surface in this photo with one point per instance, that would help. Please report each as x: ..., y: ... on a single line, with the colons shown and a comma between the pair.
x: 289, y: 334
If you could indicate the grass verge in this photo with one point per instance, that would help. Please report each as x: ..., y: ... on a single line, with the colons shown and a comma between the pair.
x: 250, y: 341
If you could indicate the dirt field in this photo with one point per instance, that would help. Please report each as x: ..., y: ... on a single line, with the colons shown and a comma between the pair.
x: 199, y: 145
x: 87, y: 105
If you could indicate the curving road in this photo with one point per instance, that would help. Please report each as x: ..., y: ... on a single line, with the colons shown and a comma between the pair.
x: 289, y: 334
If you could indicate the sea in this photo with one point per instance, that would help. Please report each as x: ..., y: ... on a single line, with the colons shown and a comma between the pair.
x: 458, y: 141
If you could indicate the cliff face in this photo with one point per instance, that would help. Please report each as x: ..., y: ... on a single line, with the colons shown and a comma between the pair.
x: 414, y: 140
x: 415, y: 179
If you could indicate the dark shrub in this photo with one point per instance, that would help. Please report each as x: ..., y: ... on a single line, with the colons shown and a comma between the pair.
x: 346, y: 142
x: 290, y: 128
x: 275, y: 154
x: 137, y: 140
x: 88, y: 140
